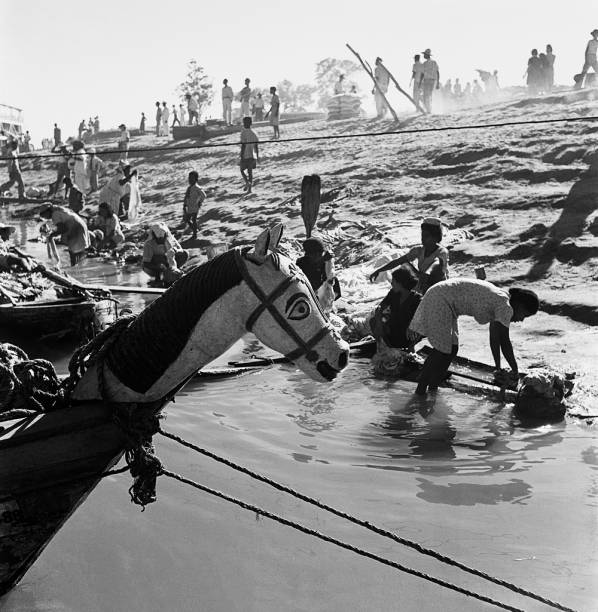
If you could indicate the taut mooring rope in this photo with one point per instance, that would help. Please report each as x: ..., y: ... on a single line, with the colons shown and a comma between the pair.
x: 340, y: 543
x: 374, y: 528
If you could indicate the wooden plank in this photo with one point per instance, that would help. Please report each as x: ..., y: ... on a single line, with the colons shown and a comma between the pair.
x: 416, y: 104
x: 129, y: 289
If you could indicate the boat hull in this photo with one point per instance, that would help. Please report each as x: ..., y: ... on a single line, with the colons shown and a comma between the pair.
x: 50, y: 464
x: 72, y: 316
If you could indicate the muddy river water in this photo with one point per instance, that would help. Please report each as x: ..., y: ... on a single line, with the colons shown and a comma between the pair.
x: 456, y: 473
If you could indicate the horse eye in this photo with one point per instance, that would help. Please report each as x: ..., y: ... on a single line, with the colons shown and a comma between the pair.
x: 300, y: 310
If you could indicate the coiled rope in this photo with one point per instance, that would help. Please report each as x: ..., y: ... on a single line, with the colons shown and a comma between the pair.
x: 27, y: 386
x: 339, y: 543
x: 362, y: 523
x: 217, y: 145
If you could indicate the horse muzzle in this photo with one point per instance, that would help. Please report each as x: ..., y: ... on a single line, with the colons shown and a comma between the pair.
x: 330, y: 372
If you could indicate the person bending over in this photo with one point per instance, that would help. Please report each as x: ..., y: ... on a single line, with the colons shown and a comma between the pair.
x: 437, y: 320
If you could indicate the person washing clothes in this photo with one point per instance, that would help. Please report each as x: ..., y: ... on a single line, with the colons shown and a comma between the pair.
x: 431, y: 257
x: 162, y: 255
x: 394, y: 313
x: 108, y: 224
x: 437, y: 316
x: 11, y: 258
x: 72, y: 229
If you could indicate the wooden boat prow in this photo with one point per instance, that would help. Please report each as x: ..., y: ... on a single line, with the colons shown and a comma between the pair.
x: 50, y: 464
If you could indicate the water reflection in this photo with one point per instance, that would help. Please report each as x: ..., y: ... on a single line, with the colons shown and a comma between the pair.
x: 470, y: 494
x: 317, y: 400
x: 453, y: 434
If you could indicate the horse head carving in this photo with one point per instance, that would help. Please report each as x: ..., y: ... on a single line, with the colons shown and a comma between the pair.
x: 209, y: 309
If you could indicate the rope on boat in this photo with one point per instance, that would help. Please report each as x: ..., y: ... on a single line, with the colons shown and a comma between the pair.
x: 367, y: 525
x: 27, y: 386
x: 138, y: 421
x: 445, y: 128
x: 340, y: 543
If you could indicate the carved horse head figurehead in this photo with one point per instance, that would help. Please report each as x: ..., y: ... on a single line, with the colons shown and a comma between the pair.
x: 206, y: 312
x: 285, y: 313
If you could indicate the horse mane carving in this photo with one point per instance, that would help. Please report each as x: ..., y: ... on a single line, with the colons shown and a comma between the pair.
x: 168, y: 322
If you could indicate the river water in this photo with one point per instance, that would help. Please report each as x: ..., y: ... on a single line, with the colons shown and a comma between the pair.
x: 456, y: 473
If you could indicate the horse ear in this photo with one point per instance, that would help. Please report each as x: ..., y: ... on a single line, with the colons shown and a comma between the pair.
x: 260, y: 249
x: 276, y: 235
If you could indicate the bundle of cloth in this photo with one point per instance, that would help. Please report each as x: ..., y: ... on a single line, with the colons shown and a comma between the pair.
x: 343, y: 106
x: 541, y: 394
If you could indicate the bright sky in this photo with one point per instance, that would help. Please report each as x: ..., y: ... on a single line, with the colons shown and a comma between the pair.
x: 63, y: 60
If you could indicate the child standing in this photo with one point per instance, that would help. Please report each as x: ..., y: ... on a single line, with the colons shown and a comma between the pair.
x: 194, y: 198
x: 249, y: 153
x: 274, y: 112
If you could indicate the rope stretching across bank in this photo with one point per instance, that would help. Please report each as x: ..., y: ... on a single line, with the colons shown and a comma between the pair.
x: 217, y: 145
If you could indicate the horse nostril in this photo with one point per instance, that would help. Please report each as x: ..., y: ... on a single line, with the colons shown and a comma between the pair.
x: 343, y: 360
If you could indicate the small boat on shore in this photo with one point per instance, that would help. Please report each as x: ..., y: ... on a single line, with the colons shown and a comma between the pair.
x: 48, y: 304
x: 77, y: 316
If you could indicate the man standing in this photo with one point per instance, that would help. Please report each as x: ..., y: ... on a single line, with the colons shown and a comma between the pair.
x: 274, y: 112
x: 382, y: 79
x: 249, y: 153
x: 165, y: 116
x: 416, y: 76
x: 14, y: 170
x: 227, y: 103
x: 182, y: 115
x: 175, y: 117
x: 245, y: 96
x: 142, y: 124
x: 158, y: 118
x: 591, y: 53
x: 192, y: 109
x: 430, y: 79
x: 57, y: 136
x: 123, y: 142
x: 339, y: 86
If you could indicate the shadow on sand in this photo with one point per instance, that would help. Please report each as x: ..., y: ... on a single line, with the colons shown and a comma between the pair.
x: 579, y: 204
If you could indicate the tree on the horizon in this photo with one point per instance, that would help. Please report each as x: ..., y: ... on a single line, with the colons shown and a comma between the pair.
x: 327, y: 72
x: 296, y: 98
x: 197, y: 84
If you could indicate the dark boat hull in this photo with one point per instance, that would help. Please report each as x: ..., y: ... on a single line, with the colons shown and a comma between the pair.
x: 75, y: 316
x: 50, y: 464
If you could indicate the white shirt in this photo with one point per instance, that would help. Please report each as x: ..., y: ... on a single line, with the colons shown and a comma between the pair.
x: 479, y: 299
x: 592, y: 48
x: 382, y: 78
x: 227, y: 92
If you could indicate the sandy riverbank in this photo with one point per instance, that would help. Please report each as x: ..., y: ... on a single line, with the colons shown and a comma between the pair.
x: 520, y: 200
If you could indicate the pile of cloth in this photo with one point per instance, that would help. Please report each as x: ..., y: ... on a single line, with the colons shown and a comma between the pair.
x: 23, y: 287
x: 343, y: 106
x: 541, y: 394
